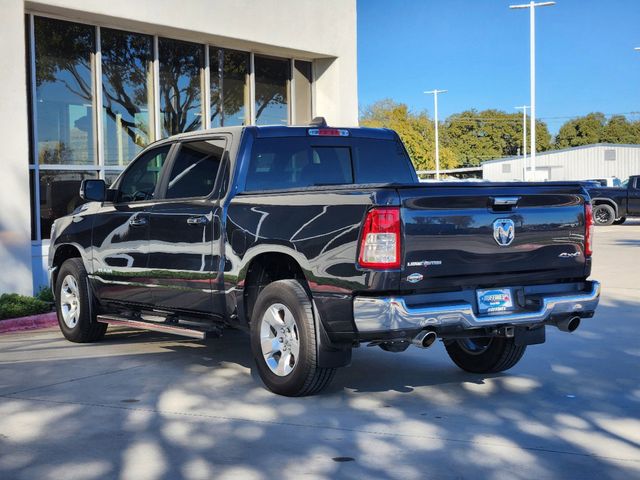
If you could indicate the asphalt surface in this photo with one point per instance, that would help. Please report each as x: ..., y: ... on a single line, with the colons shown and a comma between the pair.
x: 146, y: 406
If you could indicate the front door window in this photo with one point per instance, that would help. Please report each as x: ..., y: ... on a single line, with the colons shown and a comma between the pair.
x: 140, y: 179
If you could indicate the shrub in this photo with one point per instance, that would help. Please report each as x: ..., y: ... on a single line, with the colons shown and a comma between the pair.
x: 13, y: 305
x: 46, y: 295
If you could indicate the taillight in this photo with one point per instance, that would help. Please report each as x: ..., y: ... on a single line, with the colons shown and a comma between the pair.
x: 380, y: 242
x: 589, y: 228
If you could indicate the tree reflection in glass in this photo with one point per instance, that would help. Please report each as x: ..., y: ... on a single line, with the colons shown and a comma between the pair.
x: 64, y: 92
x: 180, y: 86
x: 271, y: 78
x: 229, y: 72
x: 126, y: 94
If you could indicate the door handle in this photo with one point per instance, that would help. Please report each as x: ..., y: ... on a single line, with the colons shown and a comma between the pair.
x: 138, y: 221
x: 199, y: 220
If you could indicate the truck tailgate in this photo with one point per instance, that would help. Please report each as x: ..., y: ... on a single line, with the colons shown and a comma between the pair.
x: 490, y: 234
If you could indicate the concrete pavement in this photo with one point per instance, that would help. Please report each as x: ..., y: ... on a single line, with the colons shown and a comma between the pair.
x: 146, y: 406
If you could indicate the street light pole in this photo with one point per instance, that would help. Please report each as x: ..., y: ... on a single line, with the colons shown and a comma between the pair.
x: 532, y: 66
x: 524, y: 140
x: 435, y: 120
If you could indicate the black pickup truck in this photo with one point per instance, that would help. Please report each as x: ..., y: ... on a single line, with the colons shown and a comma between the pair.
x: 317, y: 240
x: 612, y: 205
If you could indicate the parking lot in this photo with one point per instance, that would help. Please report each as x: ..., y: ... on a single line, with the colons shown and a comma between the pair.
x: 145, y: 405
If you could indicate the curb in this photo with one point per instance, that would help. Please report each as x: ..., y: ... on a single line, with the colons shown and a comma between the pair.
x: 33, y: 322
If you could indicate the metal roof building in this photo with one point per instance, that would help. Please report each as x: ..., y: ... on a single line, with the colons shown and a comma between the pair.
x: 600, y: 160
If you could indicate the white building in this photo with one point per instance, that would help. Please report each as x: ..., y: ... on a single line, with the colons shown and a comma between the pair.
x: 587, y: 162
x: 85, y: 85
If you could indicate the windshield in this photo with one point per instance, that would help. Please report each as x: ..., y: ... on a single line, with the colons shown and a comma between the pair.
x: 625, y: 184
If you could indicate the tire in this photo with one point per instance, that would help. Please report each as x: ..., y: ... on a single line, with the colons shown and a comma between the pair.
x: 604, y: 215
x: 620, y: 221
x: 75, y: 305
x: 283, y: 341
x: 485, y: 355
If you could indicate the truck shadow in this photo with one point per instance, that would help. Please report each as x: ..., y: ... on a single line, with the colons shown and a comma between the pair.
x: 147, y: 405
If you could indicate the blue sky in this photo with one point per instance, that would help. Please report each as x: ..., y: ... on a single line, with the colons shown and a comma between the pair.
x: 479, y: 51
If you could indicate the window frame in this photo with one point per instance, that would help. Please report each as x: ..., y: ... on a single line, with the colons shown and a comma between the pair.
x: 163, y: 183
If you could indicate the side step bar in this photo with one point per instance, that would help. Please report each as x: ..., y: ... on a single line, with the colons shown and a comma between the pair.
x: 175, y: 329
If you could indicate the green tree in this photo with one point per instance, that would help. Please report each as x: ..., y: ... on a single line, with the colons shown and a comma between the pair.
x: 581, y: 131
x: 477, y: 136
x: 415, y: 130
x: 621, y: 130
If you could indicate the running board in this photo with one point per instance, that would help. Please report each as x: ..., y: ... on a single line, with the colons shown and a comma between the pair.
x: 174, y: 329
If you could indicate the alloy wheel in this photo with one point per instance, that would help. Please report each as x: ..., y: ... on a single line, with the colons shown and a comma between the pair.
x: 70, y: 301
x: 279, y: 339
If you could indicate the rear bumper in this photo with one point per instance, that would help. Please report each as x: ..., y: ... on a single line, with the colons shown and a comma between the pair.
x: 392, y: 314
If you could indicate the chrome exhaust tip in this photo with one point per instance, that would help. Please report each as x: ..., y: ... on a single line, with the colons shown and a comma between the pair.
x: 424, y: 339
x: 569, y: 324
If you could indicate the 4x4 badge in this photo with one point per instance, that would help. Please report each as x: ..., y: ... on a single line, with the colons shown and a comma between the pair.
x: 504, y: 231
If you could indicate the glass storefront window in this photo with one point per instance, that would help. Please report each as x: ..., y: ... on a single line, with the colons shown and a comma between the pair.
x: 126, y: 94
x: 229, y: 73
x: 64, y: 92
x: 180, y: 79
x: 272, y: 82
x: 59, y: 195
x: 63, y: 119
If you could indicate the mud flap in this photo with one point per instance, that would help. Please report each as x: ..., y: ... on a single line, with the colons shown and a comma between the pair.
x: 329, y: 355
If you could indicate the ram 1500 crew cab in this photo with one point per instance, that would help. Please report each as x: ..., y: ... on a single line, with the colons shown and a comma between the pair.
x: 317, y: 240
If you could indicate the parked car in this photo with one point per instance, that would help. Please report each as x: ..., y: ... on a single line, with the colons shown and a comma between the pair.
x: 612, y: 205
x: 317, y: 240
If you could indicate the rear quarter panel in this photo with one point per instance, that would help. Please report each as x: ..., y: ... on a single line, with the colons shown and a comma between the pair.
x: 319, y: 229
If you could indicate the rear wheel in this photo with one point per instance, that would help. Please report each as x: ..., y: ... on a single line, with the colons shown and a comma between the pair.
x: 486, y: 354
x: 283, y: 341
x: 619, y: 221
x: 604, y: 215
x: 74, y: 304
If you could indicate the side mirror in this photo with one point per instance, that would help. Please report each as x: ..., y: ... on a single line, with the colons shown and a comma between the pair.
x: 93, y: 190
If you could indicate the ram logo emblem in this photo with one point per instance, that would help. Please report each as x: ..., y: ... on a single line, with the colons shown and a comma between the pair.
x: 504, y: 231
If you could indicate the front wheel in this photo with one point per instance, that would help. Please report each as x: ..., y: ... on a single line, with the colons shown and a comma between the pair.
x: 74, y: 304
x: 283, y: 341
x: 485, y: 354
x: 604, y: 215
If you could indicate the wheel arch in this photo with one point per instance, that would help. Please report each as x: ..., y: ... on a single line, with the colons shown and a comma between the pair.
x: 266, y: 268
x: 62, y: 253
x: 605, y: 201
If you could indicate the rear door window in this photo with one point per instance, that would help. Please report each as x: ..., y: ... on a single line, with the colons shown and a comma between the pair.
x: 195, y: 168
x: 298, y: 162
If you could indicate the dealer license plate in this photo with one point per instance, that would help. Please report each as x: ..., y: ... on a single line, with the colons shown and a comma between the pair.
x: 495, y: 300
